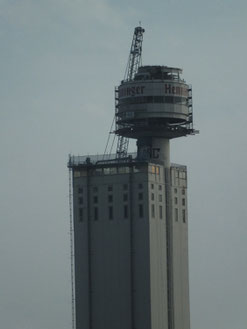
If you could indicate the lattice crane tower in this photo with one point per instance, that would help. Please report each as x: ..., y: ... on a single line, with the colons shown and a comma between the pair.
x: 133, y: 64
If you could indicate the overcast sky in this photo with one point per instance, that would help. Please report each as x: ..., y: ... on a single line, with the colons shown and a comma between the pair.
x: 60, y: 61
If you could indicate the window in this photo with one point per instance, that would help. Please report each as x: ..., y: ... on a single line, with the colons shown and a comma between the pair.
x: 184, y: 216
x: 138, y: 169
x: 98, y: 171
x: 176, y: 200
x: 160, y: 187
x: 95, y: 189
x: 152, y: 186
x: 152, y: 196
x: 80, y: 190
x: 113, y: 170
x: 140, y: 186
x: 160, y: 212
x: 158, y: 99
x: 183, y: 191
x: 140, y: 210
x: 175, y: 190
x: 95, y: 199
x: 122, y: 170
x: 106, y: 171
x: 80, y: 214
x: 176, y: 214
x: 110, y: 198
x: 152, y: 211
x: 125, y: 187
x: 76, y: 173
x: 110, y: 209
x: 182, y: 175
x: 110, y: 188
x: 140, y: 196
x: 125, y: 197
x: 160, y: 197
x: 80, y: 200
x: 126, y: 212
x: 183, y: 201
x: 95, y: 213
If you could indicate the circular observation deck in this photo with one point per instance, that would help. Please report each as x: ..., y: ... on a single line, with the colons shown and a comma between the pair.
x: 156, y: 103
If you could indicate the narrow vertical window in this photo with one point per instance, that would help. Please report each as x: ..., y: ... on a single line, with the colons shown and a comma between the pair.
x: 110, y: 198
x: 176, y: 214
x: 125, y: 197
x: 183, y: 202
x: 176, y: 200
x: 80, y: 190
x: 160, y: 187
x: 160, y: 212
x: 80, y: 214
x: 140, y: 196
x: 126, y: 211
x: 140, y: 186
x: 80, y: 200
x: 96, y: 213
x: 184, y: 216
x: 160, y: 197
x: 110, y: 209
x: 152, y: 196
x: 140, y: 210
x: 125, y: 187
x: 152, y: 211
x: 95, y: 199
x: 110, y: 188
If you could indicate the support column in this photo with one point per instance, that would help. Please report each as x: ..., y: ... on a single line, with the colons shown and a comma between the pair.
x: 152, y: 148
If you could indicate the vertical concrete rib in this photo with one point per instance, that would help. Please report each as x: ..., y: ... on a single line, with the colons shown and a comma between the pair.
x: 131, y: 247
x: 169, y: 239
x: 72, y: 246
x: 89, y: 249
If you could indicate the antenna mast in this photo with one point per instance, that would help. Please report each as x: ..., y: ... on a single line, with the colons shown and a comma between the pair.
x: 133, y: 64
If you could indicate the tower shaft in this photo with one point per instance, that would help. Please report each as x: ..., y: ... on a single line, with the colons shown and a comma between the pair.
x: 130, y: 232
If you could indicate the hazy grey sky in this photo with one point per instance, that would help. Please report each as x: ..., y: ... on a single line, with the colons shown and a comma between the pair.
x: 60, y: 61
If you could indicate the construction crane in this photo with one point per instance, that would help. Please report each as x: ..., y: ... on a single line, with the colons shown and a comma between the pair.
x: 134, y: 61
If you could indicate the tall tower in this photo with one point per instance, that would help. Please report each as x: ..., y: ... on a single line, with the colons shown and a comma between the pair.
x: 130, y: 212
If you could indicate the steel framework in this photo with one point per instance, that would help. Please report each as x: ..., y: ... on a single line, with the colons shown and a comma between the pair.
x: 133, y: 64
x: 135, y: 55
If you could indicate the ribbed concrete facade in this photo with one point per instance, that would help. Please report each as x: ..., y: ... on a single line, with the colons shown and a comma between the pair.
x: 131, y: 245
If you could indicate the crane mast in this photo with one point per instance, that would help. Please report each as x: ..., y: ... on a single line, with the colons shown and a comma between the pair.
x: 135, y: 55
x: 134, y: 61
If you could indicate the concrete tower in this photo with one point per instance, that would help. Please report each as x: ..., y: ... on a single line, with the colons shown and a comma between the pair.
x: 130, y: 211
